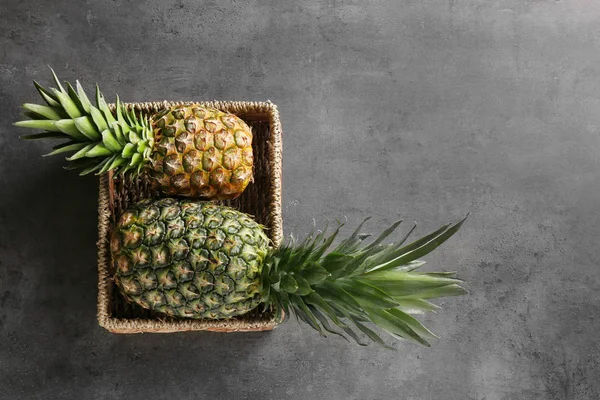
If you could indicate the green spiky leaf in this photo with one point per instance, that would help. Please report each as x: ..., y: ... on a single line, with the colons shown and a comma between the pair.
x: 83, y: 99
x: 110, y: 141
x: 98, y: 150
x: 415, y: 306
x: 304, y: 287
x: 47, y: 112
x: 325, y: 322
x: 64, y: 148
x: 67, y: 104
x: 288, y: 283
x: 336, y: 295
x: 442, y: 291
x: 41, y: 124
x: 315, y: 274
x: 370, y: 333
x: 93, y: 130
x: 357, y: 283
x: 48, y: 97
x: 98, y: 119
x: 57, y: 81
x: 81, y: 153
x: 94, y: 168
x: 368, y: 295
x: 395, y: 326
x: 85, y: 126
x: 75, y: 97
x: 68, y: 126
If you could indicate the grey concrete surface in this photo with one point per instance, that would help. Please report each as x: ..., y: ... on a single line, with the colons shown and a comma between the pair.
x: 421, y: 109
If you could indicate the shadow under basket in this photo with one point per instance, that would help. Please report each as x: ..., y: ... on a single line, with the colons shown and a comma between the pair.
x: 261, y: 199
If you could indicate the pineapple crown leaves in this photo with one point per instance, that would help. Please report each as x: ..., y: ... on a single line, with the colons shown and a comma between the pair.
x: 343, y: 290
x: 98, y: 140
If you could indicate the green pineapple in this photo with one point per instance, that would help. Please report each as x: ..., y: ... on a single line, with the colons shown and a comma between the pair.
x: 195, y: 259
x: 187, y: 150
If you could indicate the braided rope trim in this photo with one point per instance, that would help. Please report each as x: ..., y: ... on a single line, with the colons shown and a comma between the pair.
x: 262, y: 111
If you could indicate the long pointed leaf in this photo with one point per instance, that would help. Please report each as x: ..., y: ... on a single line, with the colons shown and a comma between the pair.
x: 405, y: 283
x: 87, y: 128
x: 120, y: 108
x: 67, y: 104
x: 303, y: 310
x: 448, y: 274
x: 45, y: 111
x: 325, y: 323
x: 89, y: 170
x: 423, y: 246
x: 98, y: 118
x: 102, y: 106
x: 411, y: 266
x: 57, y: 81
x: 136, y: 159
x: 64, y: 149
x: 388, y: 278
x: 116, y: 128
x: 85, y: 101
x: 48, y: 97
x: 107, y: 165
x: 321, y: 249
x: 384, y: 235
x: 354, y: 336
x: 383, y: 258
x: 336, y: 262
x: 371, y: 334
x: 350, y: 243
x: 405, y: 238
x: 75, y: 97
x: 368, y: 295
x: 415, y: 306
x: 44, y: 124
x: 110, y: 142
x: 349, y: 331
x: 288, y: 283
x: 395, y: 326
x: 443, y: 291
x: 337, y: 295
x: 318, y: 302
x: 81, y: 153
x: 68, y: 126
x: 315, y: 274
x: 98, y: 150
x: 128, y: 150
x: 303, y: 286
x: 413, y: 323
x: 435, y: 242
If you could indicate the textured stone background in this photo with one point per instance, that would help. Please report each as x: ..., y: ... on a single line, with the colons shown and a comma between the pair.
x: 420, y: 109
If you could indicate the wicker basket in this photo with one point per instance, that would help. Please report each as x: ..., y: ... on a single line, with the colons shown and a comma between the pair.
x: 262, y: 199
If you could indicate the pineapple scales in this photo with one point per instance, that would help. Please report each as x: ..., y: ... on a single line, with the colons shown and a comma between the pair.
x: 186, y: 150
x: 189, y: 259
x: 194, y: 259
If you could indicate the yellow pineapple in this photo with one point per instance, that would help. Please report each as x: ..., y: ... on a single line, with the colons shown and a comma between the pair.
x: 187, y: 150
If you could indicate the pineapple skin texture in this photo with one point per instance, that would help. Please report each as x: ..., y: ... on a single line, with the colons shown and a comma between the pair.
x: 188, y: 258
x: 200, y: 152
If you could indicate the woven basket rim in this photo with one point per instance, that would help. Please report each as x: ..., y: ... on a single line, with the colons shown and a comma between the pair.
x: 268, y: 111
